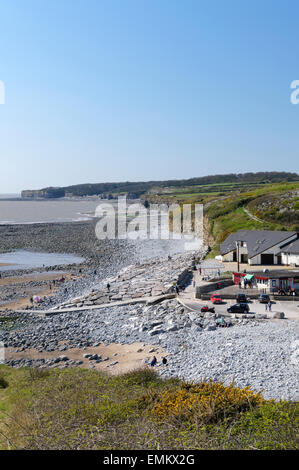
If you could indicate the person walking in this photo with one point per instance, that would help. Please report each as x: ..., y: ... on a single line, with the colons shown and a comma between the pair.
x: 164, y: 361
x: 108, y: 287
x: 266, y: 307
x: 269, y: 305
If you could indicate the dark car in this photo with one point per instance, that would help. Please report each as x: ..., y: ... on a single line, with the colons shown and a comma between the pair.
x: 238, y: 308
x: 241, y: 298
x: 264, y: 299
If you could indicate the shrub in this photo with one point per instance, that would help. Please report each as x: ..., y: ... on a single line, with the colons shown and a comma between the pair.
x: 3, y: 382
x: 206, y: 402
x: 36, y: 374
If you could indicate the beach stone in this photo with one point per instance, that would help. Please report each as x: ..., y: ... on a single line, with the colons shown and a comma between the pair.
x: 261, y: 316
x: 279, y: 315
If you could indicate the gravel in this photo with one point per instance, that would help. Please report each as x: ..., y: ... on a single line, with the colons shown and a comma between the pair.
x: 259, y: 353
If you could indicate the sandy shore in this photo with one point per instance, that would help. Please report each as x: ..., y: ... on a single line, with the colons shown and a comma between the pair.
x: 117, y: 358
x: 78, y: 238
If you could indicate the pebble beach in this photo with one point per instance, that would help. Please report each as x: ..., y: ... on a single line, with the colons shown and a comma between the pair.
x: 261, y: 353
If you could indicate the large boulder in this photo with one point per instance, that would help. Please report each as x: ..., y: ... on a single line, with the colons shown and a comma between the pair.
x: 279, y: 315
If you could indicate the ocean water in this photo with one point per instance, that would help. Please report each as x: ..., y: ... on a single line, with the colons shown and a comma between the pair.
x: 45, y: 211
x: 22, y: 259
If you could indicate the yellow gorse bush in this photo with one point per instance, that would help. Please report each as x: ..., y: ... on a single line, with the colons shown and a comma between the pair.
x: 208, y: 402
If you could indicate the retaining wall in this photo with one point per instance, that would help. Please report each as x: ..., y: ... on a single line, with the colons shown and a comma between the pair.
x: 213, y: 286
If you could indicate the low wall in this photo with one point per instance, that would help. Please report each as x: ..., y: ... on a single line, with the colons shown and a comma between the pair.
x: 213, y: 286
x: 228, y: 296
x: 295, y: 298
x: 184, y: 277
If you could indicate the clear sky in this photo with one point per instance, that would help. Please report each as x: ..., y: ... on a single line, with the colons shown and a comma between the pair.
x: 117, y: 90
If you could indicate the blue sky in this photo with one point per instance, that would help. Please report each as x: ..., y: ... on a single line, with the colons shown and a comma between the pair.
x: 117, y: 90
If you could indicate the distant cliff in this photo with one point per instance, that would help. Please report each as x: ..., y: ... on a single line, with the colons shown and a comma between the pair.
x: 43, y: 193
x: 136, y: 189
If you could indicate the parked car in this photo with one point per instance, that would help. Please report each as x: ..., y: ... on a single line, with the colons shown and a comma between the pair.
x: 216, y: 299
x: 206, y: 308
x: 264, y: 299
x: 241, y: 298
x: 238, y: 308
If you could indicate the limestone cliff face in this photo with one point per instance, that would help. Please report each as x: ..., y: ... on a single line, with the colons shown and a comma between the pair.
x: 33, y: 193
x: 43, y: 193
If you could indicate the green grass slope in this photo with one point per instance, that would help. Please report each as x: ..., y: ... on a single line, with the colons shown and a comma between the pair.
x: 83, y: 409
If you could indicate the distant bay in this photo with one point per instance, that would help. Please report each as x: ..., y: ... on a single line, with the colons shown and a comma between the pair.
x: 45, y: 211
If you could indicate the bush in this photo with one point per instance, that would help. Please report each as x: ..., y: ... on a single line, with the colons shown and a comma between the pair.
x: 3, y: 382
x: 85, y: 409
x: 206, y: 402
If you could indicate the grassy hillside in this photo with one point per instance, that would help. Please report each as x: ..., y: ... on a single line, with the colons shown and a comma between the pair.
x: 233, y: 206
x: 83, y: 409
x: 136, y: 189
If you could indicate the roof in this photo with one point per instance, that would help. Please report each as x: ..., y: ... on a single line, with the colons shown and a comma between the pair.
x: 291, y: 247
x: 257, y: 240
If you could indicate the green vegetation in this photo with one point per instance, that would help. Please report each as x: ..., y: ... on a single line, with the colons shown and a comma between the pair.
x: 270, y: 206
x: 83, y: 409
x: 220, y: 183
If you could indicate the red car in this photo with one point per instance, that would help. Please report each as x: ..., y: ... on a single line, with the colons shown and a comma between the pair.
x: 216, y: 299
x: 206, y: 308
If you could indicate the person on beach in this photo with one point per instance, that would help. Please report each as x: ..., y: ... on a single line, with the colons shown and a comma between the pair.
x: 269, y: 305
x: 153, y: 361
x: 164, y: 361
x: 108, y: 287
x: 266, y: 307
x: 222, y: 322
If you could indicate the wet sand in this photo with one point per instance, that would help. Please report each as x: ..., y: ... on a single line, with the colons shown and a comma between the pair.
x: 42, y: 291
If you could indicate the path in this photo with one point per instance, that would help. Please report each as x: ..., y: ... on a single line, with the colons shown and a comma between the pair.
x: 138, y: 300
x: 251, y: 215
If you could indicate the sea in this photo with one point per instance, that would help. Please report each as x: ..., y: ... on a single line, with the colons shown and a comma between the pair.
x: 14, y: 210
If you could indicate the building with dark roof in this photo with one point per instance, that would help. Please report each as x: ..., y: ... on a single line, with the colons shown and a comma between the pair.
x: 290, y: 253
x: 260, y: 247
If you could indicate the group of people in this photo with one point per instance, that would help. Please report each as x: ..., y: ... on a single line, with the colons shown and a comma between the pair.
x: 290, y: 291
x: 154, y: 361
x: 176, y: 288
x: 246, y: 283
